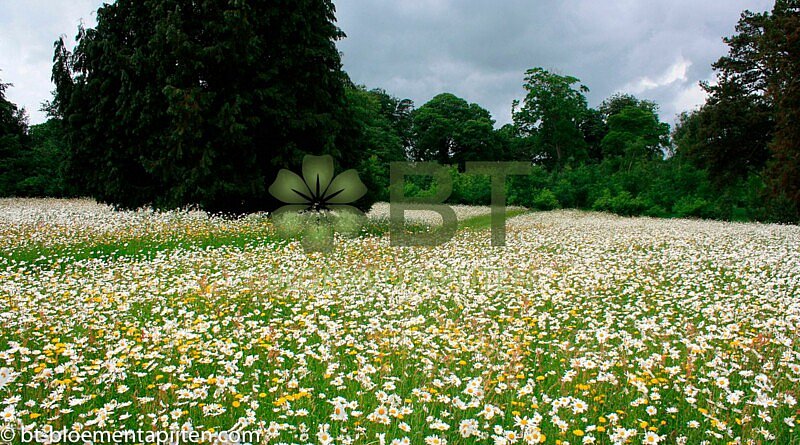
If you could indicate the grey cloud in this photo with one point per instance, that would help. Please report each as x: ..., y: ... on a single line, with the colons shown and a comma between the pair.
x: 480, y: 49
x: 477, y: 49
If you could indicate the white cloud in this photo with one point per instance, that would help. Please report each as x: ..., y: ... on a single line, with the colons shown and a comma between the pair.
x: 675, y: 73
x: 690, y: 98
x: 28, y: 29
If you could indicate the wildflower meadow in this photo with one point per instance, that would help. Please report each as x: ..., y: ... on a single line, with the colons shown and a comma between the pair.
x: 585, y: 328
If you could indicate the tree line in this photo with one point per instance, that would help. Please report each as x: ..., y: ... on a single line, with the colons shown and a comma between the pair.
x: 174, y: 102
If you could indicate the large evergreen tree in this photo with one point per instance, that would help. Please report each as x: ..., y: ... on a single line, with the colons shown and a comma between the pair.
x: 750, y: 119
x: 13, y: 145
x: 175, y: 102
x: 729, y: 135
x: 782, y: 59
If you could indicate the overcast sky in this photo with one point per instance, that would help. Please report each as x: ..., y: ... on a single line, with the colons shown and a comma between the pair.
x: 476, y: 49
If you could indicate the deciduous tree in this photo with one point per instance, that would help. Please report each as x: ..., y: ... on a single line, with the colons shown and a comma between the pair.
x: 450, y: 130
x: 550, y: 117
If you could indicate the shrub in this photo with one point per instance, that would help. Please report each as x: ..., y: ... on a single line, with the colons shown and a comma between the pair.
x: 691, y: 206
x: 519, y: 188
x: 656, y: 211
x: 622, y: 204
x: 470, y: 189
x: 545, y: 200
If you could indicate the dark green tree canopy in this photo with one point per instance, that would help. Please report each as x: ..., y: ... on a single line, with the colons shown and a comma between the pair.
x: 13, y: 144
x: 635, y: 133
x: 13, y: 120
x: 398, y: 113
x: 728, y: 135
x: 180, y: 102
x: 385, y: 135
x: 175, y: 102
x: 594, y: 129
x: 781, y: 61
x: 750, y: 119
x: 550, y: 116
x: 450, y: 130
x: 618, y: 102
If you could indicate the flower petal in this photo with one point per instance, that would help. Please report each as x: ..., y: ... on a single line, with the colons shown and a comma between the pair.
x: 318, y: 172
x: 345, y: 188
x: 290, y: 188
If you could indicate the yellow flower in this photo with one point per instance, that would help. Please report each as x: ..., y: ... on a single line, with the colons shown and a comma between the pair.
x: 578, y: 433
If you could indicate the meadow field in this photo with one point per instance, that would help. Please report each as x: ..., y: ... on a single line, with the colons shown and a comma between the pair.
x: 585, y: 328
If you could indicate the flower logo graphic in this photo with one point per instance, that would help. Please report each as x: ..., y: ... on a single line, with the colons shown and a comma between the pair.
x: 318, y: 203
x: 318, y: 189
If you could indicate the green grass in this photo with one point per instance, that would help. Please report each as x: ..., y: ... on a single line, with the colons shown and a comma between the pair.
x: 144, y: 247
x: 139, y: 247
x: 485, y: 221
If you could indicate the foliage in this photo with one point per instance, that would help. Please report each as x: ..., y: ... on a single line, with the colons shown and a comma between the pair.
x: 635, y: 134
x: 144, y: 112
x: 45, y: 175
x: 449, y: 130
x: 620, y: 101
x: 31, y: 158
x: 594, y: 128
x: 13, y: 145
x: 175, y: 102
x: 385, y: 136
x: 781, y: 43
x: 545, y: 200
x: 750, y: 119
x: 622, y: 203
x: 691, y: 206
x: 728, y: 135
x: 471, y: 189
x: 550, y: 116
